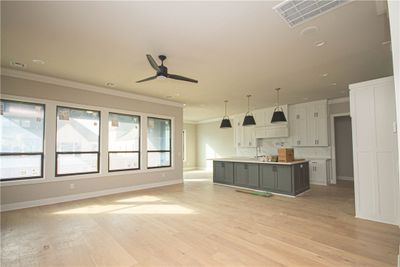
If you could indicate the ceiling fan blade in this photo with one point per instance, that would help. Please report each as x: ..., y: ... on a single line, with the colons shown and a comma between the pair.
x: 153, y: 63
x: 181, y: 78
x: 147, y: 79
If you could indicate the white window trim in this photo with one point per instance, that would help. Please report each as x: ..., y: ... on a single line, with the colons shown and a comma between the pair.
x: 50, y: 142
x: 184, y: 152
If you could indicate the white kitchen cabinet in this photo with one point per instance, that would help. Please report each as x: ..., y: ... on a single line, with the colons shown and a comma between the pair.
x: 320, y: 170
x: 244, y: 136
x: 298, y: 124
x: 309, y: 124
x: 375, y: 153
x: 249, y: 136
x: 317, y: 123
x: 238, y: 130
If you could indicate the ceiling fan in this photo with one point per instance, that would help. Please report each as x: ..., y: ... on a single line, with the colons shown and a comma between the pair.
x: 162, y: 71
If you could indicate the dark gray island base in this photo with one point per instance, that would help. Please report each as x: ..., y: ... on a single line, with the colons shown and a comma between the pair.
x: 283, y: 178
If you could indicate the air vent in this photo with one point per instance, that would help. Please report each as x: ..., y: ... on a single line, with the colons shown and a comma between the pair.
x: 295, y: 12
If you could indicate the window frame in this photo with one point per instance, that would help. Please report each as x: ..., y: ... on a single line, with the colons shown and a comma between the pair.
x: 81, y: 152
x: 121, y: 152
x: 162, y: 150
x: 28, y: 153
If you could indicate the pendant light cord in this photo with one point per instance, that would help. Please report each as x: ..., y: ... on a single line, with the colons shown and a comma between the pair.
x: 248, y: 104
x: 226, y: 102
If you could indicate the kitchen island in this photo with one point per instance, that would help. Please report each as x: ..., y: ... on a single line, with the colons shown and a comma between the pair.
x: 288, y: 178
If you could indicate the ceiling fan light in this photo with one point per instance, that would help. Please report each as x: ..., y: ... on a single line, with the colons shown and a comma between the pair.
x: 249, y: 120
x: 225, y: 123
x: 278, y: 116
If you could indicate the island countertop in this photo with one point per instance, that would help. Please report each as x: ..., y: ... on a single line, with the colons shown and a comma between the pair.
x: 253, y: 160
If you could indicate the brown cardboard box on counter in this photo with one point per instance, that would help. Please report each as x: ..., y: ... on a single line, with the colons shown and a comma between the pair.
x: 285, y: 154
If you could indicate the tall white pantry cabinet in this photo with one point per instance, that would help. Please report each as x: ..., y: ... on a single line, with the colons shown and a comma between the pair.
x: 376, y: 176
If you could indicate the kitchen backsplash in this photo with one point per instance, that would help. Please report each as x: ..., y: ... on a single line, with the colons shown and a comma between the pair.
x: 270, y: 147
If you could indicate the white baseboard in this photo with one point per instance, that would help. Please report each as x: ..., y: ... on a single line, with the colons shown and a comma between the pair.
x: 318, y: 182
x: 54, y: 200
x: 189, y: 168
x: 345, y: 178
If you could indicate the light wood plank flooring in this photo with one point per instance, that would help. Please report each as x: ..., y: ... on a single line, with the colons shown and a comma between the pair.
x: 199, y: 224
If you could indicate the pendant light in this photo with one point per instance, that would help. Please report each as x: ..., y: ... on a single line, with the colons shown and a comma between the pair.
x: 225, y: 123
x: 278, y: 115
x: 249, y: 118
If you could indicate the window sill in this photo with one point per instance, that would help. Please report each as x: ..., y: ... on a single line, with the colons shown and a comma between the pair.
x: 53, y: 178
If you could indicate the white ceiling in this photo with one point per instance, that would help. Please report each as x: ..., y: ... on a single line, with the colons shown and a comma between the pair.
x: 232, y: 48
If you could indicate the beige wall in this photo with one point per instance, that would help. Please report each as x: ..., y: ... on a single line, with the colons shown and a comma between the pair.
x: 59, y: 188
x: 213, y: 142
x: 191, y: 146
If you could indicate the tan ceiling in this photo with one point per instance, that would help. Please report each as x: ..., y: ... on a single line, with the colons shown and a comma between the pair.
x: 232, y: 48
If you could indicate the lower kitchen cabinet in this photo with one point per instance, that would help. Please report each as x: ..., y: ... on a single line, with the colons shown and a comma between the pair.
x: 246, y: 174
x: 278, y: 178
x: 223, y: 172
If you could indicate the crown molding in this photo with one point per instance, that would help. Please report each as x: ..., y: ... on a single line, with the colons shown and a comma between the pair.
x: 190, y: 122
x: 338, y: 100
x: 83, y: 86
x: 209, y: 120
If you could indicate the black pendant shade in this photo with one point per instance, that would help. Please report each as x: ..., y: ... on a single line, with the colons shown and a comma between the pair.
x: 249, y: 120
x: 226, y: 122
x: 278, y: 115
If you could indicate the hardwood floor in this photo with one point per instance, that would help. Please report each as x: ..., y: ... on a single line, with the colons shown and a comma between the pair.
x: 196, y: 224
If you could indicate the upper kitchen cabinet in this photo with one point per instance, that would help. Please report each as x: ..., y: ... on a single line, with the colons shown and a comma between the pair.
x: 266, y: 129
x: 309, y: 124
x: 244, y: 135
x: 298, y: 124
x: 317, y: 123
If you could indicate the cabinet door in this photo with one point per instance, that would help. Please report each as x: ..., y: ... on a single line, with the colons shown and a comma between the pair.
x: 284, y: 179
x: 298, y: 125
x: 238, y: 128
x: 241, y: 174
x: 267, y: 177
x: 219, y: 171
x: 317, y: 121
x: 259, y: 116
x: 228, y: 174
x: 301, y: 177
x: 253, y: 175
x: 249, y: 139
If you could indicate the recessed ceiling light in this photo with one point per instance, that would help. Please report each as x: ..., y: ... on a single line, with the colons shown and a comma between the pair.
x: 333, y: 84
x: 17, y: 64
x: 324, y: 74
x: 110, y: 84
x: 309, y: 30
x: 177, y: 94
x: 184, y: 104
x: 38, y: 61
x: 319, y: 43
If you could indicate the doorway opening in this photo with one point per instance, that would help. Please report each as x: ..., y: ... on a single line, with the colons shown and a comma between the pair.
x: 343, y: 149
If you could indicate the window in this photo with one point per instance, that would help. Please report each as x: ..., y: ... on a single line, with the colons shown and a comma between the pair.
x: 123, y: 142
x: 22, y: 138
x: 158, y: 143
x: 78, y: 139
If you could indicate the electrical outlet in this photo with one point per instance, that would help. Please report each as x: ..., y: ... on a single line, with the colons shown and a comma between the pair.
x: 71, y: 186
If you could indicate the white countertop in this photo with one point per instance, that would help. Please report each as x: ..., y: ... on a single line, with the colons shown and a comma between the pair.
x: 253, y: 160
